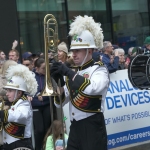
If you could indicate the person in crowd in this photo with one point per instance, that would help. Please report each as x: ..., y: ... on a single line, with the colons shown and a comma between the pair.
x: 122, y: 64
x: 40, y: 54
x: 54, y: 136
x: 17, y: 119
x: 34, y: 57
x: 28, y: 62
x: 51, y: 56
x: 69, y: 61
x: 62, y: 52
x: 115, y: 46
x: 129, y: 56
x: 107, y: 52
x: 26, y: 55
x: 97, y: 55
x: 86, y: 89
x: 2, y: 59
x: 111, y: 58
x: 13, y: 53
x: 2, y: 56
x: 147, y: 44
x: 40, y: 105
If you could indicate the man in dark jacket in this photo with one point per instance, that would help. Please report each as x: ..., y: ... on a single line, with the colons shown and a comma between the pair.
x: 108, y: 51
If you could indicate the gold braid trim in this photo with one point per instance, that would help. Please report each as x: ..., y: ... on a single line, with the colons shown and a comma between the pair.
x: 5, y: 116
x: 79, y: 45
x: 99, y: 63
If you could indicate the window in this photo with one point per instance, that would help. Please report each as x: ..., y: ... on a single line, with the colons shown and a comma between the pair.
x: 31, y: 15
x: 130, y: 22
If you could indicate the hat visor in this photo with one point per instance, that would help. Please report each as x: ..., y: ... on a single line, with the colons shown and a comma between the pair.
x: 81, y: 47
x: 14, y: 88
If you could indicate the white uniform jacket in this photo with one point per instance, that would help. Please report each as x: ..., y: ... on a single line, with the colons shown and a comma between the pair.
x: 17, y: 121
x: 86, y: 94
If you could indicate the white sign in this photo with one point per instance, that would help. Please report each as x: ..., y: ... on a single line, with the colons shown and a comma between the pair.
x: 127, y: 112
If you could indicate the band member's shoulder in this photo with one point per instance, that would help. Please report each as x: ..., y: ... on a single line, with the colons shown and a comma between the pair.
x: 100, y: 63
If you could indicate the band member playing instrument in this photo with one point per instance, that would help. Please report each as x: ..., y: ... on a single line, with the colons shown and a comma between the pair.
x: 86, y: 89
x: 17, y: 120
x: 3, y: 80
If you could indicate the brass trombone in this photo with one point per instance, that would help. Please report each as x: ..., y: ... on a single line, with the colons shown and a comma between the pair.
x: 50, y: 42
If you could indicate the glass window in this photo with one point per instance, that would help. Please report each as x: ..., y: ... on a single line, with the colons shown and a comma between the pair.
x: 96, y: 8
x: 31, y: 15
x: 130, y: 22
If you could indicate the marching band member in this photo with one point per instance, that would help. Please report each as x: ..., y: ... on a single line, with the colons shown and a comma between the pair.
x: 17, y: 120
x: 85, y: 90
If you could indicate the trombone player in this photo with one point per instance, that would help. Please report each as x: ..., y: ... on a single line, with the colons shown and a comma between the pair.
x: 86, y: 89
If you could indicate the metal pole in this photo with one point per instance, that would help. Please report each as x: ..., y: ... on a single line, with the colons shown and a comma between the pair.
x: 61, y: 110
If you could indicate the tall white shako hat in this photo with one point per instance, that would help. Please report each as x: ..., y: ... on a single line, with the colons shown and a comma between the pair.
x: 19, y: 77
x: 85, y: 33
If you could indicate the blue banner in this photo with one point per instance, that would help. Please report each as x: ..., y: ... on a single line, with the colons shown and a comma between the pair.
x: 128, y: 137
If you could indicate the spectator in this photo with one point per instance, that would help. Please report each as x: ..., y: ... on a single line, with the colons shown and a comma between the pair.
x: 2, y: 56
x: 2, y: 59
x: 115, y: 46
x: 121, y: 59
x: 129, y: 56
x: 41, y: 117
x: 147, y: 44
x: 108, y: 51
x: 51, y: 56
x: 34, y: 57
x: 26, y: 55
x: 28, y: 62
x: 40, y: 54
x: 56, y: 135
x: 111, y: 58
x: 13, y: 53
x: 62, y: 52
x: 96, y: 55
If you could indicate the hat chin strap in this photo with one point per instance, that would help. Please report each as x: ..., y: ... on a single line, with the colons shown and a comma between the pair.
x: 15, y: 97
x: 87, y: 51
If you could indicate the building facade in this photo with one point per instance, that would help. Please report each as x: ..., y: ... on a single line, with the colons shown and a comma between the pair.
x: 124, y: 22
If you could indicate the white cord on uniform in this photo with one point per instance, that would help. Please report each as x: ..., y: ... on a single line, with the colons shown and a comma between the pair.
x: 87, y: 51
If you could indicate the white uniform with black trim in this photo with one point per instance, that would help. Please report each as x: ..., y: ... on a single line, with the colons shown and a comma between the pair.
x: 20, y: 113
x: 99, y: 82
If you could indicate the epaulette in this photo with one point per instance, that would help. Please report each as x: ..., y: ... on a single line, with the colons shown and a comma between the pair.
x: 99, y: 63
